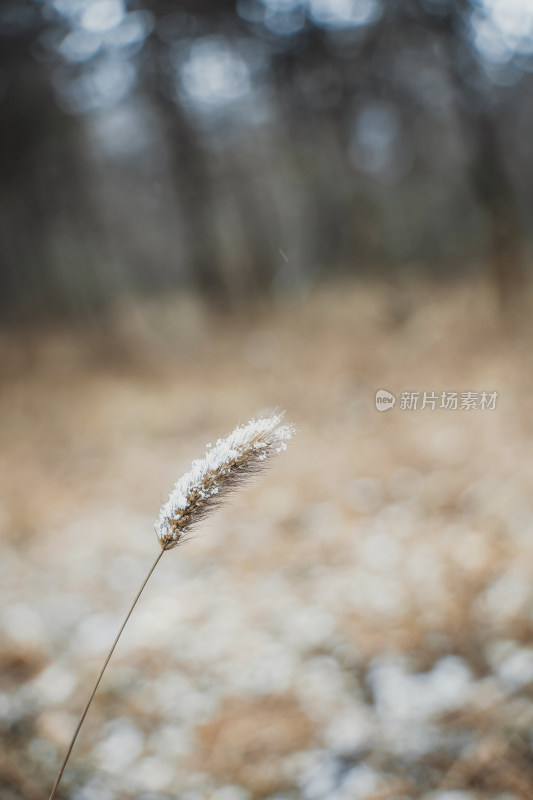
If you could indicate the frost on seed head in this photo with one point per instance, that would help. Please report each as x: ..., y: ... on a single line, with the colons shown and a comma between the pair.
x: 224, y: 465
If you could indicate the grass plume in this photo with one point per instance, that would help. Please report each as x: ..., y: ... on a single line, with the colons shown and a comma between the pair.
x: 224, y: 467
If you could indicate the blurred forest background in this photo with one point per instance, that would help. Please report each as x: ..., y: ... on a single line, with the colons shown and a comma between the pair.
x: 257, y: 147
x: 211, y: 208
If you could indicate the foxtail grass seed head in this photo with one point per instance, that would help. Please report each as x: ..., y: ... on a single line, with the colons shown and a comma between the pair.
x: 223, y: 467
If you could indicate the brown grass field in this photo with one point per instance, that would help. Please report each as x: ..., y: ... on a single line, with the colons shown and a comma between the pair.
x: 356, y: 624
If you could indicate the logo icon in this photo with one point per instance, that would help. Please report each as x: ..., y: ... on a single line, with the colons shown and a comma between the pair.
x: 384, y: 400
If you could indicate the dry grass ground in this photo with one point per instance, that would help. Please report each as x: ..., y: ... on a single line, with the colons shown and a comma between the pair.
x: 356, y: 624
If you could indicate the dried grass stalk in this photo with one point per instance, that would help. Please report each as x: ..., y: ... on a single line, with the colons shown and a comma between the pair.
x: 224, y: 467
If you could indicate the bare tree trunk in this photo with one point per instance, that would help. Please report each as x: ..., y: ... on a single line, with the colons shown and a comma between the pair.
x: 190, y: 173
x: 497, y: 199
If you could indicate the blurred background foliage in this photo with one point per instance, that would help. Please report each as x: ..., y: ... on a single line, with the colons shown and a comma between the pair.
x: 254, y: 148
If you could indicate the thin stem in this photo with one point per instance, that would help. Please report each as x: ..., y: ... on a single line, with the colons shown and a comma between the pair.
x: 96, y: 685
